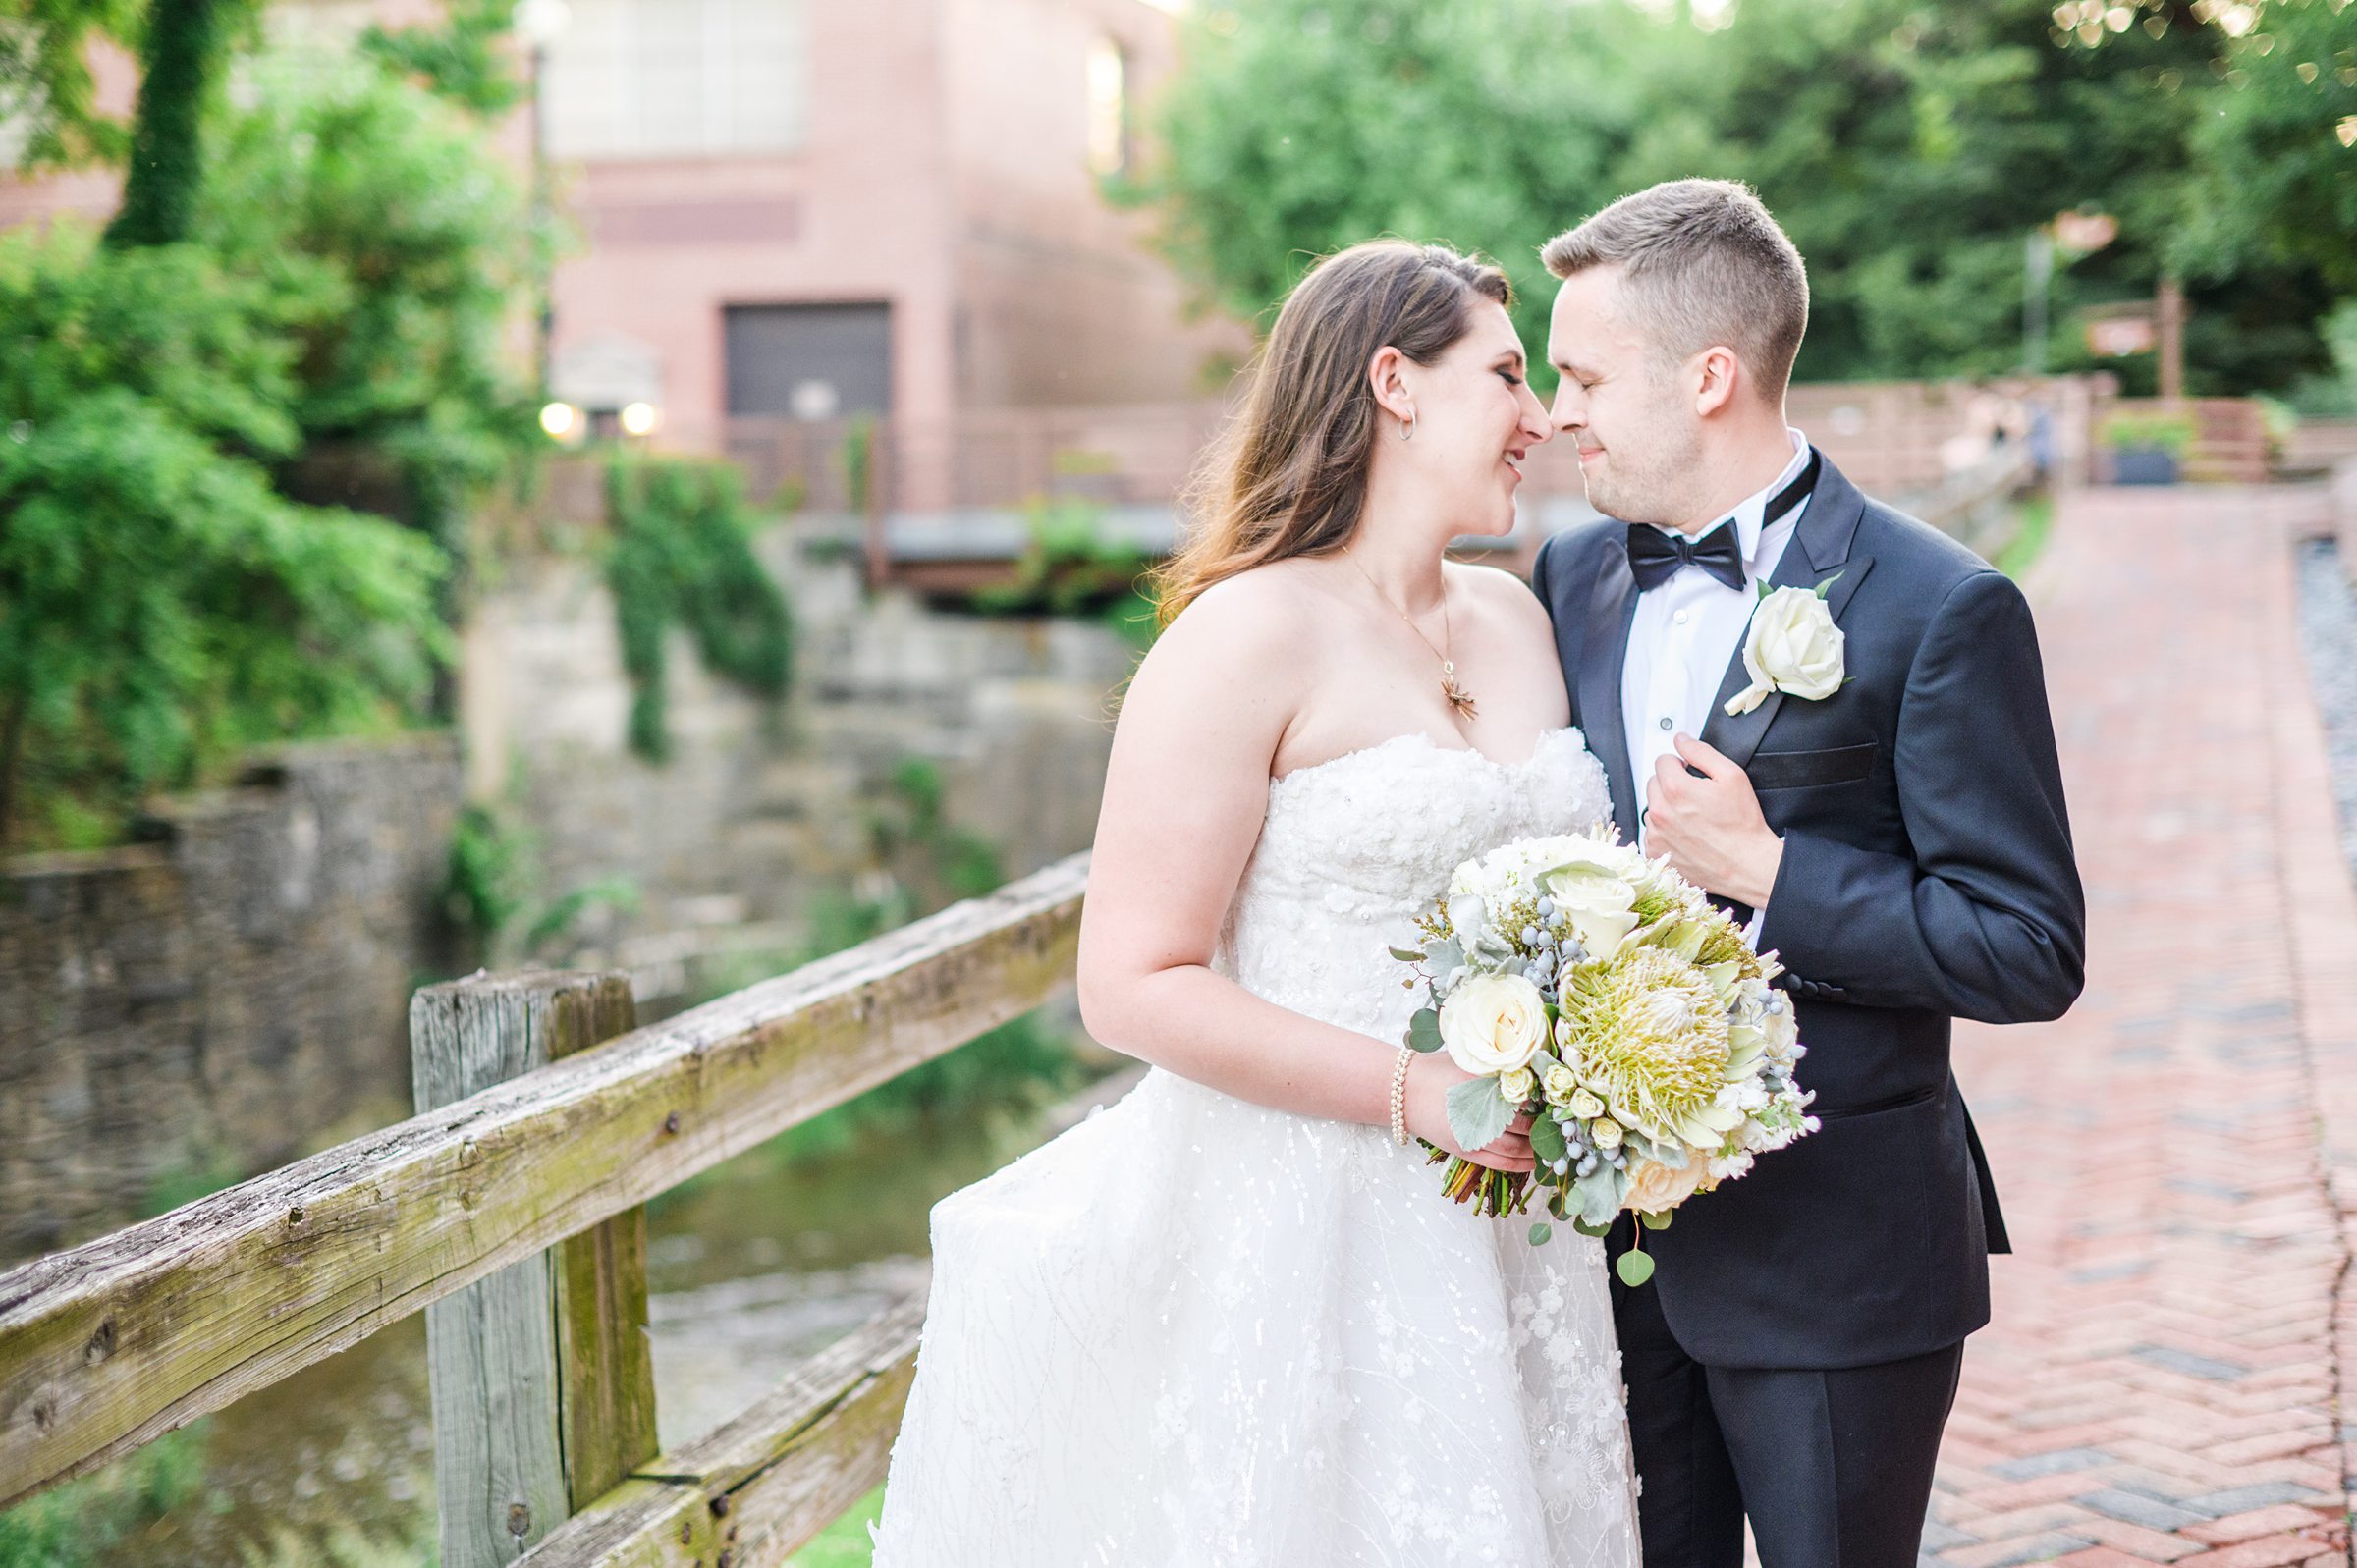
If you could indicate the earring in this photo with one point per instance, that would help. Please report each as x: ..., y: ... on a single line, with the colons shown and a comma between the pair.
x: 1407, y: 427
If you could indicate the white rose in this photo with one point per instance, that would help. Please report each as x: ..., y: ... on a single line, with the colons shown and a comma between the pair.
x: 1516, y: 1086
x: 1492, y: 1023
x: 1605, y: 1134
x: 1598, y: 903
x: 1561, y: 1086
x: 1654, y: 1188
x: 1587, y: 1107
x: 1793, y: 646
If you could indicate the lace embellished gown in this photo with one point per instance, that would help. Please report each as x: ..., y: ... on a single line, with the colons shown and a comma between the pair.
x: 1195, y: 1332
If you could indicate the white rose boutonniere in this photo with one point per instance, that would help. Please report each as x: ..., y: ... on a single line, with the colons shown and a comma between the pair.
x: 1792, y: 645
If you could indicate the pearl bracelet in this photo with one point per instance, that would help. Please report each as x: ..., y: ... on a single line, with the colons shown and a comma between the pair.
x: 1400, y: 1096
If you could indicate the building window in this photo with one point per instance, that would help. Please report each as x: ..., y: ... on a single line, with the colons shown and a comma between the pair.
x: 1107, y: 108
x: 662, y: 79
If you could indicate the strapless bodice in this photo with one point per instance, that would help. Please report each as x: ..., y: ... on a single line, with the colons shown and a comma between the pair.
x: 1354, y: 847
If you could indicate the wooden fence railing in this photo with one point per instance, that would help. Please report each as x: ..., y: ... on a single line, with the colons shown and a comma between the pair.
x: 513, y: 1212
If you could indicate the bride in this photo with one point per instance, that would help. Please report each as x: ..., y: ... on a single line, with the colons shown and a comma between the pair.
x: 1232, y: 1320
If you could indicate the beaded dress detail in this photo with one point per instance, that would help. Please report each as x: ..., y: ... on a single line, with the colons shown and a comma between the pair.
x: 1194, y: 1332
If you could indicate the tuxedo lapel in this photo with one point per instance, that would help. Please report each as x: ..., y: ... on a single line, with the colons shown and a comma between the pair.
x: 1611, y: 608
x: 1820, y: 547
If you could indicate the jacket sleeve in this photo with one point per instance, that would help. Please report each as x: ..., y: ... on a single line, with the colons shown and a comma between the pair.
x: 1986, y: 919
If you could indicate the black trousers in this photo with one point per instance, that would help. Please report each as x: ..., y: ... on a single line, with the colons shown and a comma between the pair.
x: 1833, y: 1467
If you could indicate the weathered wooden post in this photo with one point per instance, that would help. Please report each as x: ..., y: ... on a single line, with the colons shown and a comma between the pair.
x: 543, y: 1386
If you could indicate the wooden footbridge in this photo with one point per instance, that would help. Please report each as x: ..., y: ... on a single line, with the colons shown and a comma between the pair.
x: 509, y: 1211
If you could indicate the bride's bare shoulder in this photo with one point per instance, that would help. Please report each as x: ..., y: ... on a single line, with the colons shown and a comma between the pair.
x: 1266, y: 612
x: 1250, y: 632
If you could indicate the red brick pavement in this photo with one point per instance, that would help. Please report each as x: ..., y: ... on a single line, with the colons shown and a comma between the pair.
x: 2163, y: 1381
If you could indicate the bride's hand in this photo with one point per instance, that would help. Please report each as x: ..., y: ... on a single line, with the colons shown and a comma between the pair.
x: 1429, y: 1080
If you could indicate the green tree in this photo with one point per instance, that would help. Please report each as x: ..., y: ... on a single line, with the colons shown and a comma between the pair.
x: 465, y: 60
x: 48, y: 96
x: 185, y: 47
x: 1299, y: 126
x: 394, y: 239
x: 161, y: 606
x: 1911, y: 149
x: 2279, y: 156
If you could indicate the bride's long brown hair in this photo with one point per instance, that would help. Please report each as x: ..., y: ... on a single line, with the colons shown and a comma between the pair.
x: 1288, y: 474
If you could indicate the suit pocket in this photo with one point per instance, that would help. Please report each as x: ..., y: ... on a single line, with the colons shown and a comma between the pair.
x: 1874, y: 1107
x: 1798, y: 770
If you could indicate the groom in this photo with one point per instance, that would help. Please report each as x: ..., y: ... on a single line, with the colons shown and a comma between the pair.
x: 1876, y: 791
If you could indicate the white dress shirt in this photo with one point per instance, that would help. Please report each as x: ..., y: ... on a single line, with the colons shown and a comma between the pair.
x: 1690, y: 628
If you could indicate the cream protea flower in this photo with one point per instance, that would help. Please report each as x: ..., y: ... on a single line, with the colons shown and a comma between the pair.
x: 1654, y: 1044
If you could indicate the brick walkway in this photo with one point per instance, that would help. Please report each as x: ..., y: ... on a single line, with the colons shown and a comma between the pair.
x: 2164, y: 1382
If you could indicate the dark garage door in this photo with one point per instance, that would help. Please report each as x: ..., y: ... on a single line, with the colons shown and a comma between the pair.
x: 809, y: 361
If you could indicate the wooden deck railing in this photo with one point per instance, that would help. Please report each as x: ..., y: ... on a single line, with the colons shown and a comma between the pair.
x: 520, y: 1197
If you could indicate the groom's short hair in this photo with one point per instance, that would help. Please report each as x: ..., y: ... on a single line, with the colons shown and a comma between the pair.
x: 1704, y: 264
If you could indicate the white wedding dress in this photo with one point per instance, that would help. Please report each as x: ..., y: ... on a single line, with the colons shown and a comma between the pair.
x: 1192, y: 1333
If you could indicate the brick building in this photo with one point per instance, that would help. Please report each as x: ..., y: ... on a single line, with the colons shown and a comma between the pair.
x: 795, y: 213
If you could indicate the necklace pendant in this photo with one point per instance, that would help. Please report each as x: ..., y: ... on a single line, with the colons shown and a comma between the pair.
x: 1459, y: 698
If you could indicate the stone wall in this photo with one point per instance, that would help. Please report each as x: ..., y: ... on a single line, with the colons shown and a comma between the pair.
x: 219, y: 998
x: 761, y: 807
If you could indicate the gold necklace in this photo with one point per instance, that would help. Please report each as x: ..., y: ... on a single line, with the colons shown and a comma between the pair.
x: 1459, y: 697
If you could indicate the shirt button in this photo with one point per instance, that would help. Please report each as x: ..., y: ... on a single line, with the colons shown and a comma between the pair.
x: 1679, y: 618
x: 1664, y: 724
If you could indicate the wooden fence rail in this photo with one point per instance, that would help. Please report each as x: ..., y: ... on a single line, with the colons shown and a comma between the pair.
x: 109, y: 1345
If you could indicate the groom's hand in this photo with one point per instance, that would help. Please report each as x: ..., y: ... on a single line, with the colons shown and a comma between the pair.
x: 1711, y: 826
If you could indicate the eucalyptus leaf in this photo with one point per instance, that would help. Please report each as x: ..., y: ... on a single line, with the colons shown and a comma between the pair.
x: 1547, y: 1140
x: 1541, y: 1233
x: 1598, y: 1232
x: 1599, y: 1195
x: 1477, y: 1113
x: 1406, y: 955
x: 1660, y: 1221
x: 1424, y: 1032
x: 1633, y: 1267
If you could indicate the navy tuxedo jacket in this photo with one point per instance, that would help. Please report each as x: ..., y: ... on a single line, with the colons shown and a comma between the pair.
x: 1927, y: 876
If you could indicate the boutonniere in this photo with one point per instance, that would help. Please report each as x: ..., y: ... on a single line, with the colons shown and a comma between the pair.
x: 1792, y: 645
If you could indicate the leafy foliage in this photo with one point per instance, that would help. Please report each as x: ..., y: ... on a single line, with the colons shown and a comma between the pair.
x: 1909, y: 149
x: 161, y: 607
x: 94, y: 1520
x: 683, y: 554
x: 1302, y: 125
x: 462, y: 60
x: 1069, y: 567
x: 393, y: 239
x: 493, y: 897
x: 48, y: 96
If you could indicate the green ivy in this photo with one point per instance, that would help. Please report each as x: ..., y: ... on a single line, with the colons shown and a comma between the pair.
x: 492, y: 895
x: 683, y: 554
x: 1070, y: 567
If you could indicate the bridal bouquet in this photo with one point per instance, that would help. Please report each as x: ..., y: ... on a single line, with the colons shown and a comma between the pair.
x: 1603, y: 994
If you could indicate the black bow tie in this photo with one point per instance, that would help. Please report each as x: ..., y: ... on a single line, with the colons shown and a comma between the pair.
x: 1655, y: 556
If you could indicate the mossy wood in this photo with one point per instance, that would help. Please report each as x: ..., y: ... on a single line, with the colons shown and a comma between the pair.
x: 543, y: 1385
x: 769, y: 1481
x: 106, y: 1346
